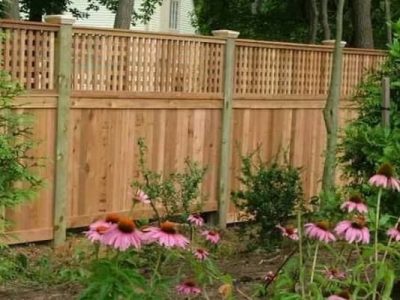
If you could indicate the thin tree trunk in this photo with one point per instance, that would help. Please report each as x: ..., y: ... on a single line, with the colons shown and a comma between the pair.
x: 36, y: 10
x: 362, y: 24
x: 325, y: 20
x: 123, y: 17
x: 313, y: 21
x: 11, y: 9
x: 388, y: 18
x: 332, y: 107
x: 255, y: 7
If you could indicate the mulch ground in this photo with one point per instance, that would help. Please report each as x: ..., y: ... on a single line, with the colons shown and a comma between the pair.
x: 247, y: 268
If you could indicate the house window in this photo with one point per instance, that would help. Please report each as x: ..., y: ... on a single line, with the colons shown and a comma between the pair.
x: 173, y: 14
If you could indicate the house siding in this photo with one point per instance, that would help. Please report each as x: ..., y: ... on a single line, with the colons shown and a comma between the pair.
x: 159, y: 21
x: 185, y: 22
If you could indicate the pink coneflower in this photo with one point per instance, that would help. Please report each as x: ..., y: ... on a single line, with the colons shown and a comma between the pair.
x: 196, y: 220
x: 353, y: 231
x: 289, y: 232
x: 166, y: 235
x: 269, y: 277
x: 124, y: 235
x: 319, y: 231
x: 337, y: 297
x: 97, y: 230
x: 141, y: 197
x: 345, y: 295
x: 394, y: 233
x: 333, y: 273
x: 355, y: 203
x: 201, y: 254
x: 188, y: 288
x: 212, y: 236
x: 385, y: 178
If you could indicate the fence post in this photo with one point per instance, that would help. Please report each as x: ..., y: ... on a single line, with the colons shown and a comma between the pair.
x: 385, y: 102
x: 62, y: 73
x: 226, y: 143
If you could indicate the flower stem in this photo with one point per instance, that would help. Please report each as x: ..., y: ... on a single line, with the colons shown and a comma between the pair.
x: 96, y: 250
x: 378, y: 208
x: 131, y: 210
x: 301, y: 267
x: 314, y: 263
x: 156, y: 269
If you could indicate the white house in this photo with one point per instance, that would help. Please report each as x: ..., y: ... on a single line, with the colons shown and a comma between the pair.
x: 171, y: 16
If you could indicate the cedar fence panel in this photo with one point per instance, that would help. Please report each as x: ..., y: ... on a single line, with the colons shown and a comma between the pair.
x: 168, y: 89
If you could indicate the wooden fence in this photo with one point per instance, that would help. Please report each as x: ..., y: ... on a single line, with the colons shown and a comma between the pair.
x: 168, y: 89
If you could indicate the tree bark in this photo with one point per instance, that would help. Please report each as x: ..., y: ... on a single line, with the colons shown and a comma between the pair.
x: 36, y: 10
x: 123, y: 17
x: 325, y: 20
x: 362, y: 24
x: 313, y: 21
x: 255, y: 7
x: 11, y: 9
x: 332, y: 107
x: 388, y: 18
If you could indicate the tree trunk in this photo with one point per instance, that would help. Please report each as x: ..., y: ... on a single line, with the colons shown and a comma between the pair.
x: 325, y: 20
x: 332, y: 107
x: 362, y: 24
x: 123, y: 17
x: 388, y: 18
x: 313, y: 21
x: 255, y: 7
x: 36, y: 10
x: 11, y: 9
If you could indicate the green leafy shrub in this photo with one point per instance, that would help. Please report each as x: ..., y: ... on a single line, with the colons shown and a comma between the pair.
x: 178, y: 193
x: 269, y: 193
x: 365, y: 143
x: 18, y: 183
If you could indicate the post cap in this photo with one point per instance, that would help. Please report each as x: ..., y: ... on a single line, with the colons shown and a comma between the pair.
x: 332, y: 43
x: 223, y: 33
x: 60, y: 19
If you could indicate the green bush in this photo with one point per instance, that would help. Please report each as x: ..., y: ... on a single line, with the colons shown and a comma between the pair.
x: 17, y: 181
x: 178, y: 193
x: 365, y: 143
x: 269, y: 194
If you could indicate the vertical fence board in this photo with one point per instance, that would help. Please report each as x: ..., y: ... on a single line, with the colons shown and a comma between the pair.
x: 169, y: 89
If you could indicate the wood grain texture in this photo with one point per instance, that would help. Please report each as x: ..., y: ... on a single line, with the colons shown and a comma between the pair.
x: 168, y: 89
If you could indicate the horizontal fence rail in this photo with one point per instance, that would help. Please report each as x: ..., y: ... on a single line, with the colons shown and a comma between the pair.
x: 171, y: 90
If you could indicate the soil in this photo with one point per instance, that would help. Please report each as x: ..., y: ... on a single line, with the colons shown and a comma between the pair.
x: 62, y: 292
x: 247, y: 269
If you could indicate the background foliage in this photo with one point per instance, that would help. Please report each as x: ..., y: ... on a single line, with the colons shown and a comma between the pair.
x: 18, y: 182
x: 365, y: 143
x: 269, y: 193
x: 179, y: 193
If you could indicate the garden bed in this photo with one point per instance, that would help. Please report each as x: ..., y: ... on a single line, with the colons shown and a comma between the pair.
x: 55, y: 275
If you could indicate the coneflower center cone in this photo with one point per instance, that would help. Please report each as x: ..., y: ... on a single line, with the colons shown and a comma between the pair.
x: 344, y: 294
x: 386, y: 170
x: 358, y: 222
x: 112, y: 218
x: 126, y: 225
x: 190, y: 283
x: 324, y: 225
x: 102, y: 229
x: 168, y: 227
x: 356, y: 199
x: 290, y: 230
